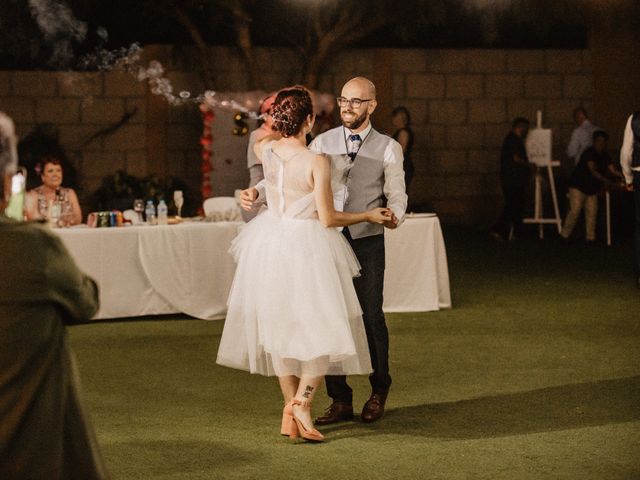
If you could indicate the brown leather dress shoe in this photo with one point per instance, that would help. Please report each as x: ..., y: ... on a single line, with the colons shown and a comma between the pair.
x: 373, y: 410
x: 337, y: 412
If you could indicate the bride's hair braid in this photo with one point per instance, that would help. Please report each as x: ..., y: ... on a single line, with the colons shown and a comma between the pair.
x: 290, y: 109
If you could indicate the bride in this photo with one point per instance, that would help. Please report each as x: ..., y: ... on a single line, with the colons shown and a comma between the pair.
x: 293, y: 311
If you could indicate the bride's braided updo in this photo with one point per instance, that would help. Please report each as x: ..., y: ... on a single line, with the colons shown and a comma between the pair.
x: 290, y: 109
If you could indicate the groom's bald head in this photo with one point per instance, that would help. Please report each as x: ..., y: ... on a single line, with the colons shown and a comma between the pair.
x: 362, y: 85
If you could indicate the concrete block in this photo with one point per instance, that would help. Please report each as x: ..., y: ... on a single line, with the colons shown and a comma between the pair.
x: 182, y: 136
x: 140, y: 106
x: 76, y: 136
x: 446, y: 61
x: 176, y: 161
x: 34, y: 84
x: 398, y: 88
x: 558, y: 111
x: 101, y: 164
x: 494, y: 135
x: 587, y: 61
x: 20, y: 109
x: 465, y: 136
x: 409, y: 60
x: 578, y: 86
x: 419, y: 111
x: 504, y: 86
x: 543, y: 86
x: 58, y: 110
x: 431, y: 186
x: 464, y: 86
x: 487, y: 61
x: 80, y: 84
x: 526, y: 61
x: 525, y: 108
x: 127, y: 137
x: 464, y: 185
x: 449, y: 161
x: 447, y: 112
x: 353, y: 61
x: 121, y: 84
x: 136, y: 163
x: 484, y: 160
x: 103, y: 110
x: 326, y: 83
x: 5, y: 84
x: 487, y: 111
x: 425, y: 85
x: 186, y: 81
x: 436, y: 136
x: 564, y: 61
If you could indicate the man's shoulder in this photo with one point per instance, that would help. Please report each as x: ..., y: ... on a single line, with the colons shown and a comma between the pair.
x: 329, y: 134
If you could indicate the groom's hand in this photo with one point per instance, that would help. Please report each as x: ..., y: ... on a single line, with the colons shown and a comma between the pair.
x: 247, y: 197
x: 392, y: 222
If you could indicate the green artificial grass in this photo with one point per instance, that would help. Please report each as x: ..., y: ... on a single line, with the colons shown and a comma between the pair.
x: 534, y: 374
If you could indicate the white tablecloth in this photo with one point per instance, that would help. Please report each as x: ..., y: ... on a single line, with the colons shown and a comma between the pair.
x: 416, y: 275
x: 187, y: 268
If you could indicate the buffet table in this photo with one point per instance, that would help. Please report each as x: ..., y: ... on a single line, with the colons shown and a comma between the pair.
x: 186, y: 268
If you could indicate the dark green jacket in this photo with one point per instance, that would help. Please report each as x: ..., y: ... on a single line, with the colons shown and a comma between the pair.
x: 44, y: 431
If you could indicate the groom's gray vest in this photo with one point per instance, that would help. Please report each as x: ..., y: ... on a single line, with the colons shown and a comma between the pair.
x: 364, y: 177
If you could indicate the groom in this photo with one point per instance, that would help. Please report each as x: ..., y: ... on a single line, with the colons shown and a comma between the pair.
x: 370, y: 165
x: 366, y: 173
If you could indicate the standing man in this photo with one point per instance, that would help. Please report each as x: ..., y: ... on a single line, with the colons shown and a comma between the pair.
x: 366, y: 173
x: 582, y: 135
x: 515, y: 173
x: 630, y: 163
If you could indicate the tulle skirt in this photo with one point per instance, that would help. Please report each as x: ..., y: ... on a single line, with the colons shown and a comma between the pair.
x: 292, y: 309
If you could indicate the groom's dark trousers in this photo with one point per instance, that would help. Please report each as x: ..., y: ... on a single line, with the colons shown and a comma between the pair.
x: 368, y: 286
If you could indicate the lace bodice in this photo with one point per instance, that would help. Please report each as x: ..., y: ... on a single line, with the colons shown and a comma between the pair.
x: 288, y: 184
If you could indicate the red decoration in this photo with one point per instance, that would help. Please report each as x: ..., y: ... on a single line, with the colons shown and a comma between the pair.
x: 206, y: 140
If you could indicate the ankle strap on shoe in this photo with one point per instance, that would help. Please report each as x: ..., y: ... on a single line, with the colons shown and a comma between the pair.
x: 302, y: 403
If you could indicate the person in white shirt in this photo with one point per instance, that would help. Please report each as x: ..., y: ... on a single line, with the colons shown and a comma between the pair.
x: 582, y: 135
x: 366, y: 172
x: 630, y: 163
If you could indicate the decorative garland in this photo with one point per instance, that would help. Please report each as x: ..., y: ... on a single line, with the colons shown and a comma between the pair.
x: 206, y: 141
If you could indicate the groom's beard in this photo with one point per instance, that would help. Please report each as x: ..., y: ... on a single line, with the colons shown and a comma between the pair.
x: 354, y: 120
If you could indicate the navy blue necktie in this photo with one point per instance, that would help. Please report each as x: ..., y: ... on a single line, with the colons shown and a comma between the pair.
x: 356, y: 141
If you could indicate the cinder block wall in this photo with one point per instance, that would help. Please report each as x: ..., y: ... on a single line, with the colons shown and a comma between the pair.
x: 461, y: 101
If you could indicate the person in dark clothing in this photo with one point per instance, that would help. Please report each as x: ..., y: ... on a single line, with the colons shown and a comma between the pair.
x: 403, y: 134
x: 588, y: 178
x: 515, y: 173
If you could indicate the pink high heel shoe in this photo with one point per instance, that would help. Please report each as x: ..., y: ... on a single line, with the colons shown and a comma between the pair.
x: 297, y: 427
x: 287, y: 419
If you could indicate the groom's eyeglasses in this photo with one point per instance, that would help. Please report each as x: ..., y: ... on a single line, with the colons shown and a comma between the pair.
x: 354, y: 102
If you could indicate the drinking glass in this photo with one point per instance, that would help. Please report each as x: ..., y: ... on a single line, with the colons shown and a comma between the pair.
x: 178, y: 199
x: 138, y: 207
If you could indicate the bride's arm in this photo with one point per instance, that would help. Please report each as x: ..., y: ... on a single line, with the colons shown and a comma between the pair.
x: 329, y: 216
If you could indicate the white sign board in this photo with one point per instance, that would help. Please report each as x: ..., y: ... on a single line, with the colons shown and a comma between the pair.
x: 538, y: 145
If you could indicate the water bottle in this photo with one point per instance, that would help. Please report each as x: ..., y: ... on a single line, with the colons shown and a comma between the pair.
x: 150, y: 213
x: 162, y: 213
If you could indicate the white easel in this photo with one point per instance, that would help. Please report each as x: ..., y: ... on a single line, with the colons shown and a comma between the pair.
x: 538, y: 146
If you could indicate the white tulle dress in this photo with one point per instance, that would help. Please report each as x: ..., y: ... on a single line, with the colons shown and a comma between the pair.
x: 292, y: 309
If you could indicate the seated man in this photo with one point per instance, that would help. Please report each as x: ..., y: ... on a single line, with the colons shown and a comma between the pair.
x: 44, y: 432
x: 588, y: 178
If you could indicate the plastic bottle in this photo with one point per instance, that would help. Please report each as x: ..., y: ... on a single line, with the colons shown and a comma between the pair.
x: 150, y: 213
x: 162, y: 213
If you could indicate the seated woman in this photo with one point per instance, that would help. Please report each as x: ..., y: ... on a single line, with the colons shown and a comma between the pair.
x: 40, y: 199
